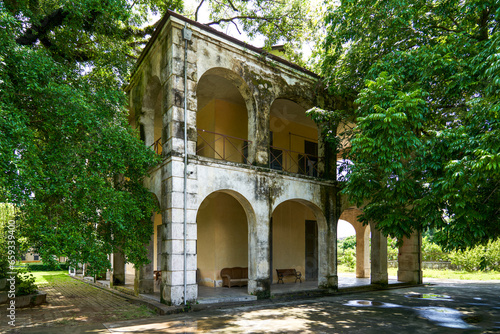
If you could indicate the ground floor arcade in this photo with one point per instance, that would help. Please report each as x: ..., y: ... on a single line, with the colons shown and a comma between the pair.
x: 258, y: 221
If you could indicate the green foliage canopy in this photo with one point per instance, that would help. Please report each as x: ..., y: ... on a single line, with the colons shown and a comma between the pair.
x: 70, y: 163
x: 425, y: 148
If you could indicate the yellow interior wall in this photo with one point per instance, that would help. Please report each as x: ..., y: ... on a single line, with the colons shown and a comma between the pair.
x: 225, y: 118
x: 289, y: 238
x: 281, y: 129
x: 222, y: 237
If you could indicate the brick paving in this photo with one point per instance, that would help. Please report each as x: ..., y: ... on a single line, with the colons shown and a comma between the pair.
x: 73, y: 303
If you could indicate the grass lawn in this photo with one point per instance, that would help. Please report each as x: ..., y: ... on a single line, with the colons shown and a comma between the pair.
x: 43, y: 278
x: 443, y: 274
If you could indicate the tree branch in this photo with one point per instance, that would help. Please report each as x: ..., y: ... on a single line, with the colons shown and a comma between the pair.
x: 55, y: 19
x: 197, y: 9
x: 268, y: 19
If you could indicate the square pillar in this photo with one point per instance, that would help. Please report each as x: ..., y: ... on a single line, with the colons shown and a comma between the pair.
x: 362, y: 253
x: 118, y: 276
x: 410, y: 260
x: 174, y: 286
x: 144, y: 275
x: 379, y: 274
x: 327, y: 242
x: 259, y: 251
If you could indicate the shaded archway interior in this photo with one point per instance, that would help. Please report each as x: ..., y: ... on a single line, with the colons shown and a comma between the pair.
x: 222, y: 237
x: 295, y: 240
x: 293, y: 138
x: 222, y: 119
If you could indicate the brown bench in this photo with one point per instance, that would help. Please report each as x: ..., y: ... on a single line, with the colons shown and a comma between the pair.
x: 234, y: 276
x: 288, y: 272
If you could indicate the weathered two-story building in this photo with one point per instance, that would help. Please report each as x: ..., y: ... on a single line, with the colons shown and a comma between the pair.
x: 245, y: 179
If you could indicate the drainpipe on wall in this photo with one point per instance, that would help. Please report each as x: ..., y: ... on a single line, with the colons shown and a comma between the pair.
x: 186, y: 35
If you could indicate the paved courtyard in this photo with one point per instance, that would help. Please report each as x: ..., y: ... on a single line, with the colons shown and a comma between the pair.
x: 72, y: 303
x: 439, y: 307
x: 442, y: 308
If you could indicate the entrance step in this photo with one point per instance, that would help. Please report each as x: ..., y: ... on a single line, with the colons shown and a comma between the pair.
x: 226, y: 299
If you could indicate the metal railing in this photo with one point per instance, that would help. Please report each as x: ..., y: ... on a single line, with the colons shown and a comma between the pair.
x: 157, y: 146
x: 293, y: 162
x: 219, y: 146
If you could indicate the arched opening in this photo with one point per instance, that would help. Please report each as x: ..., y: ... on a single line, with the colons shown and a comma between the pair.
x: 293, y: 139
x: 150, y: 122
x: 222, y: 239
x: 222, y: 118
x: 354, y: 252
x: 346, y: 247
x: 295, y: 234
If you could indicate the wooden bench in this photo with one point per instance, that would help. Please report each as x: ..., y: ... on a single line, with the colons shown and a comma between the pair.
x: 234, y: 276
x: 288, y: 272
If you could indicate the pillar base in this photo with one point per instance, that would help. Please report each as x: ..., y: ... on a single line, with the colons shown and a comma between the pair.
x: 381, y: 279
x: 410, y: 276
x: 174, y: 294
x: 259, y: 288
x: 144, y: 286
x: 117, y: 279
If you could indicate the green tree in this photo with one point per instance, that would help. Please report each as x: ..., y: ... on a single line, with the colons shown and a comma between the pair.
x: 425, y: 77
x: 291, y: 22
x: 69, y: 162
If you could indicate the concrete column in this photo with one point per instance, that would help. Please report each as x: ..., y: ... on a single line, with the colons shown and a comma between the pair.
x: 327, y: 242
x: 259, y: 252
x: 362, y: 253
x: 118, y: 277
x: 258, y: 133
x: 144, y: 276
x: 410, y: 259
x: 172, y: 257
x: 379, y: 274
x: 174, y: 286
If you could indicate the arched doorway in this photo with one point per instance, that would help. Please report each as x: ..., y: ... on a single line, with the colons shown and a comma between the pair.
x: 222, y: 227
x: 295, y: 234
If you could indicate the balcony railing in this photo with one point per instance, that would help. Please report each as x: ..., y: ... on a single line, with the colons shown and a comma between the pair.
x: 293, y: 162
x: 223, y: 147
x: 157, y: 146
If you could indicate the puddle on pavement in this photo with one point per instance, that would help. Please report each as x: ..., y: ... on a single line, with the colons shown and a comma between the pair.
x: 364, y: 303
x: 429, y: 296
x: 443, y: 316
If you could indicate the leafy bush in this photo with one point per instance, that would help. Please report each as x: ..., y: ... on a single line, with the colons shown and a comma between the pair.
x: 482, y: 258
x: 25, y: 284
x: 47, y: 266
x: 347, y: 251
x: 432, y: 251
